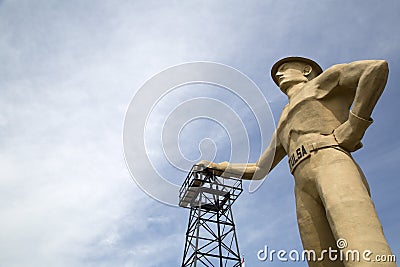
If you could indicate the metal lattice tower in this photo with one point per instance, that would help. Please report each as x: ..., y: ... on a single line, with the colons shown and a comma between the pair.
x: 210, y: 237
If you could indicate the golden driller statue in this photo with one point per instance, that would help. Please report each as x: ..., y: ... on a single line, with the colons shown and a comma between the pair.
x: 326, y: 117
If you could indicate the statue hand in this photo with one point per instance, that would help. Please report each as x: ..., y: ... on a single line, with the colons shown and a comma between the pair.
x: 346, y: 138
x: 349, y: 134
x: 204, y: 164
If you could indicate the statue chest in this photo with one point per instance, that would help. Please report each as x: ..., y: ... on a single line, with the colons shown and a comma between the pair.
x: 303, y: 116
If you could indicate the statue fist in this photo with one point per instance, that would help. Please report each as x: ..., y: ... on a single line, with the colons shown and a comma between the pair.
x: 346, y: 138
x: 204, y: 164
x: 349, y: 134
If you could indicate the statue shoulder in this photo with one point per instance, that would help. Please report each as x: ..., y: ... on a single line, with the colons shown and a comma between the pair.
x: 283, y: 117
x: 331, y: 75
x: 328, y: 81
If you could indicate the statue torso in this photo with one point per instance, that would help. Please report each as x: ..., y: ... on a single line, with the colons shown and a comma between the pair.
x: 314, y: 109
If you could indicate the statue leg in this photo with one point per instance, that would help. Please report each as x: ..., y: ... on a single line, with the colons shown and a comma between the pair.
x: 350, y: 211
x: 315, y: 231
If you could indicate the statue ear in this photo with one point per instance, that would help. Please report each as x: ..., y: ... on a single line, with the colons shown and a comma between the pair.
x: 307, y: 70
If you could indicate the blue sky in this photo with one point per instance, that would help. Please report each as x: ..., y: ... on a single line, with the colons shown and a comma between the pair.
x: 69, y: 71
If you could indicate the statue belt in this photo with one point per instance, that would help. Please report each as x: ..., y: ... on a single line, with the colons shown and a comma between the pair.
x: 302, y: 150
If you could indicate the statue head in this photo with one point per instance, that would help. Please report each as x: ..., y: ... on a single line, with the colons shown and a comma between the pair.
x: 293, y: 70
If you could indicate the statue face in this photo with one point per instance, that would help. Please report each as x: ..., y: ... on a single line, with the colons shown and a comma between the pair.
x: 291, y: 73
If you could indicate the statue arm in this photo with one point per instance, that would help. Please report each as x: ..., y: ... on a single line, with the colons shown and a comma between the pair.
x: 269, y: 158
x: 249, y: 171
x: 368, y: 78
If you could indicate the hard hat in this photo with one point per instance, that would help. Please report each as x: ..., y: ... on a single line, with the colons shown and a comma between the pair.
x: 316, y: 69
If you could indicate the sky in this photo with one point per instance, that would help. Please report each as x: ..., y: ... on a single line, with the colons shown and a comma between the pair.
x: 69, y: 73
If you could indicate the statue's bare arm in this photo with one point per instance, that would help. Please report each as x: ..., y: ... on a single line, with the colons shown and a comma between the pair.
x: 368, y: 79
x: 249, y: 171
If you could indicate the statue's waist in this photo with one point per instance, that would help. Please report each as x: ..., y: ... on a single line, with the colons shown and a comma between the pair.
x: 301, y: 147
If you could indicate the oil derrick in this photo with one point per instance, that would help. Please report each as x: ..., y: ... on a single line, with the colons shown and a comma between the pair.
x: 210, y: 237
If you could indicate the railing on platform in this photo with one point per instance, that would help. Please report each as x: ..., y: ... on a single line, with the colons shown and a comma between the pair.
x: 209, y: 189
